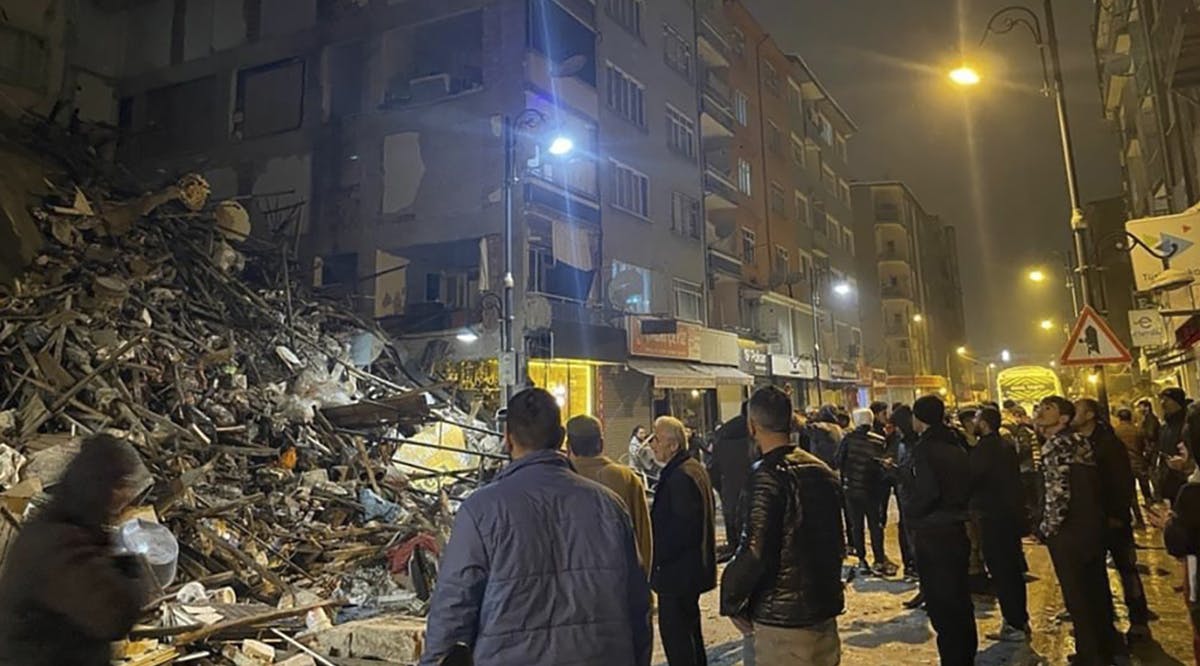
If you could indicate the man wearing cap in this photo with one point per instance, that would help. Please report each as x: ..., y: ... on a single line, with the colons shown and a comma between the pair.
x: 585, y: 444
x: 940, y: 491
x: 1170, y: 438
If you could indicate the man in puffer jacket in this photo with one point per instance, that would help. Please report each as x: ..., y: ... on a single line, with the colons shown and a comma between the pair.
x: 824, y: 435
x: 860, y: 459
x: 541, y: 568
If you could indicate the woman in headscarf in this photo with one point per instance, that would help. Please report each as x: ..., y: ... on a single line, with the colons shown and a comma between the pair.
x: 65, y: 594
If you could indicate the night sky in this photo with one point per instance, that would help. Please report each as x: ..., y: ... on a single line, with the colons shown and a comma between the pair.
x: 988, y: 160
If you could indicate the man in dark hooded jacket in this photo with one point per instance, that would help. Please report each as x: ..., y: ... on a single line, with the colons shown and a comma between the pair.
x: 728, y: 469
x: 64, y: 594
x: 1170, y: 437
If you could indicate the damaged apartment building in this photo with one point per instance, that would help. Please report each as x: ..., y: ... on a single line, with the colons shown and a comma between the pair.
x: 367, y: 137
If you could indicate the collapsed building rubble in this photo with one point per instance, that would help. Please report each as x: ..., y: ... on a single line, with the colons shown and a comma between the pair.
x: 275, y: 426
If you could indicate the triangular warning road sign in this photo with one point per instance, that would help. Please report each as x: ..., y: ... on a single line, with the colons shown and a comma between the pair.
x: 1092, y: 342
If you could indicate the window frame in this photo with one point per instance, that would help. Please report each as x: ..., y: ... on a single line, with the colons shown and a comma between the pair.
x: 634, y: 95
x: 745, y: 177
x: 695, y: 291
x: 678, y: 124
x: 641, y: 179
x: 749, y: 245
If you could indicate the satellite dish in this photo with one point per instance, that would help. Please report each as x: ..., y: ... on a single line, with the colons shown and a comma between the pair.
x: 569, y: 66
x: 624, y: 287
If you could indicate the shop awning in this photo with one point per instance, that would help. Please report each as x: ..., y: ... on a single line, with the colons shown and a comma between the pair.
x: 726, y: 376
x: 673, y: 374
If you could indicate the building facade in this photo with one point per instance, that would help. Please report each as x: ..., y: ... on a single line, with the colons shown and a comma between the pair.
x: 917, y: 322
x: 778, y: 214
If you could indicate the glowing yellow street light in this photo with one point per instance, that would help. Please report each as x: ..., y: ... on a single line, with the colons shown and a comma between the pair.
x: 965, y: 76
x: 918, y: 318
x: 1047, y: 325
x: 1093, y: 378
x: 1036, y: 275
x: 961, y: 351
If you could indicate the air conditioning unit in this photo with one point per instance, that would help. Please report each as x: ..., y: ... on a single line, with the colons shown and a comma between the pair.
x: 429, y: 88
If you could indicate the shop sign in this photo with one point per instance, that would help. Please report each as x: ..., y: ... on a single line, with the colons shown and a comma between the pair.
x: 784, y: 365
x: 842, y: 370
x: 879, y: 378
x: 917, y: 381
x: 683, y: 344
x: 719, y: 347
x: 1189, y: 333
x: 754, y: 361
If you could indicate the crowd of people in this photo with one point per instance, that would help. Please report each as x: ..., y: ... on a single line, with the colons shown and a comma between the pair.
x: 555, y: 561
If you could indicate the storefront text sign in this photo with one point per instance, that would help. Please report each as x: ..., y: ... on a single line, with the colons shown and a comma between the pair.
x: 683, y: 344
x: 783, y: 365
x: 754, y: 361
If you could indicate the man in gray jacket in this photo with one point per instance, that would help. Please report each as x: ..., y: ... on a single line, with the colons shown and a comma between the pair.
x: 541, y: 568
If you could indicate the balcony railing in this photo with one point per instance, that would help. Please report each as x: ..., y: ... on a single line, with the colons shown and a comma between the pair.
x: 896, y: 292
x: 719, y: 109
x: 718, y: 183
x: 710, y: 34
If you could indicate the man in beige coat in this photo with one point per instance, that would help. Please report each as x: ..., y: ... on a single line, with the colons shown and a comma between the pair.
x: 585, y: 443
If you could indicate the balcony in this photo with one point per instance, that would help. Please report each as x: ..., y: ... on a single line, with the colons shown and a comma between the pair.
x: 891, y: 254
x: 719, y: 191
x: 713, y: 48
x: 717, y: 118
x: 900, y: 291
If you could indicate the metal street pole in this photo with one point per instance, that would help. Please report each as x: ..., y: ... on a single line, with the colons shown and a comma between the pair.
x: 814, y: 301
x: 1079, y: 226
x: 507, y: 359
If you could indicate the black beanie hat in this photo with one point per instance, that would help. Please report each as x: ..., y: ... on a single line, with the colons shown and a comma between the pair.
x: 929, y: 409
x: 1177, y: 395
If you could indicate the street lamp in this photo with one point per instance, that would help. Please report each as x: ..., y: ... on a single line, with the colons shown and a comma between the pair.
x: 842, y: 289
x: 1006, y: 20
x: 918, y: 318
x: 961, y: 351
x: 1005, y: 356
x: 1037, y: 275
x: 1047, y: 325
x: 559, y: 146
x: 965, y: 76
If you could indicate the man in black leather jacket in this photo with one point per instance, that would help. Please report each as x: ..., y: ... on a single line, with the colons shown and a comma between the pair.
x: 940, y: 491
x: 784, y: 582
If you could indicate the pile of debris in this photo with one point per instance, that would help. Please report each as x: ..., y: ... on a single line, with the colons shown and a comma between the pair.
x: 270, y: 422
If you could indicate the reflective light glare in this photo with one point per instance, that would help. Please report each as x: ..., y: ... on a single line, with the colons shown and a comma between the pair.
x: 992, y: 366
x: 467, y: 337
x: 695, y: 393
x: 1093, y: 379
x: 1047, y: 324
x: 1037, y: 276
x: 964, y: 76
x: 841, y: 289
x: 1005, y: 356
x: 918, y: 318
x: 1053, y: 364
x: 561, y: 145
x: 961, y: 351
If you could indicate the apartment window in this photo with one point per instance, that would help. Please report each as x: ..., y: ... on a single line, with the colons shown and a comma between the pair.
x: 829, y: 178
x: 685, y: 215
x: 677, y: 51
x: 749, y: 241
x: 737, y: 42
x: 844, y: 191
x: 741, y: 108
x: 630, y: 190
x: 626, y: 96
x: 798, y: 157
x: 689, y: 302
x: 778, y: 201
x: 774, y: 138
x: 833, y: 230
x: 628, y: 13
x: 630, y: 287
x: 794, y: 97
x: 744, y: 176
x: 782, y: 261
x: 849, y: 235
x: 23, y: 58
x: 770, y: 78
x: 681, y: 133
x: 269, y: 99
x: 801, y: 209
x: 805, y: 265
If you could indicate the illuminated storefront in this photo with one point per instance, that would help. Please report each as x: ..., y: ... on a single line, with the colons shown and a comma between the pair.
x: 572, y: 383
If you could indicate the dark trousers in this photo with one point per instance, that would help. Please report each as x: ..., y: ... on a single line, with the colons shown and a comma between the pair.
x: 943, y: 553
x: 1004, y: 557
x: 885, y: 498
x: 679, y: 625
x: 1119, y: 541
x: 908, y: 551
x: 733, y: 530
x: 859, y: 508
x: 1079, y: 564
